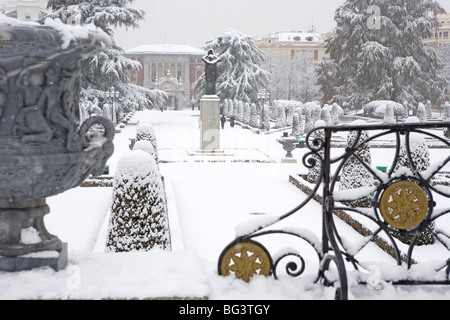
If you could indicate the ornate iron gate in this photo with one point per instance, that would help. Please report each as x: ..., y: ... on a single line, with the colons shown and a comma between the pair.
x: 404, y: 202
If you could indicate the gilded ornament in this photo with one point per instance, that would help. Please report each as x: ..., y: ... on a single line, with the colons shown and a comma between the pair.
x: 246, y: 260
x: 404, y: 205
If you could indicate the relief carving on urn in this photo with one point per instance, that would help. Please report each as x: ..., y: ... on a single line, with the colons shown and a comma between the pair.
x: 44, y: 149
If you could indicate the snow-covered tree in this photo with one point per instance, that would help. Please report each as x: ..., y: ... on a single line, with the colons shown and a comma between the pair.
x: 139, y: 219
x: 279, y: 68
x: 354, y: 175
x: 444, y: 56
x: 147, y: 146
x: 421, y: 112
x: 446, y: 113
x: 239, y: 70
x: 240, y: 112
x: 146, y: 131
x: 309, y: 125
x: 325, y: 115
x: 281, y: 116
x: 247, y: 112
x: 109, y: 68
x: 304, y: 77
x: 383, y: 57
x: 420, y: 156
x: 446, y: 118
x: 297, y: 126
x: 388, y: 114
x: 336, y: 111
x: 254, y: 118
x: 266, y: 119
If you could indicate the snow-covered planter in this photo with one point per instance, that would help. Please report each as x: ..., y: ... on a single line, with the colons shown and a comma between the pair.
x: 45, y: 149
x: 139, y: 220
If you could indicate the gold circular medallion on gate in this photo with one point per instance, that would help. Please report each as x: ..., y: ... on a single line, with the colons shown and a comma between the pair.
x: 404, y: 205
x: 246, y: 260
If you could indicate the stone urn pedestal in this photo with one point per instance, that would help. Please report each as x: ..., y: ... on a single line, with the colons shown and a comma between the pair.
x: 44, y: 149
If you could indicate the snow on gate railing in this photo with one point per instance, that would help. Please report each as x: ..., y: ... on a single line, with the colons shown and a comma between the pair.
x: 398, y: 215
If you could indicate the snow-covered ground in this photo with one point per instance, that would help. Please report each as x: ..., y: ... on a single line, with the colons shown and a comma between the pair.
x: 207, y: 200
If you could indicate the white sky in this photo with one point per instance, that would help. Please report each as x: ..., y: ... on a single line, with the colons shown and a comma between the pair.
x: 194, y: 22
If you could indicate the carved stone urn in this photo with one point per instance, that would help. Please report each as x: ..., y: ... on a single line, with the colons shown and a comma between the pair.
x: 44, y: 149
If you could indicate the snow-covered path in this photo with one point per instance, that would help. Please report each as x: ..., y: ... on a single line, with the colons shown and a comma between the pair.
x: 210, y: 199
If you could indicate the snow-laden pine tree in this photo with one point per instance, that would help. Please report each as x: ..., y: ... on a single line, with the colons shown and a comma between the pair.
x: 377, y: 53
x: 354, y: 174
x: 109, y: 68
x: 239, y: 71
x: 138, y: 219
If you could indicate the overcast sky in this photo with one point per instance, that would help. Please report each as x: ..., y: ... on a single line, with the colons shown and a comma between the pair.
x: 194, y: 22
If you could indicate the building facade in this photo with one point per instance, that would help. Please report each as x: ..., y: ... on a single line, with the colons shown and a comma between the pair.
x: 171, y: 68
x: 441, y: 37
x: 288, y: 44
x: 24, y: 10
x: 442, y: 34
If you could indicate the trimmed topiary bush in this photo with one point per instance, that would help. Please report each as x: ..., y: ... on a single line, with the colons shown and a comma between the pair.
x: 139, y: 218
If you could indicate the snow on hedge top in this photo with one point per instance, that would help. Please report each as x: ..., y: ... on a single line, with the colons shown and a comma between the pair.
x: 136, y: 165
x: 68, y: 33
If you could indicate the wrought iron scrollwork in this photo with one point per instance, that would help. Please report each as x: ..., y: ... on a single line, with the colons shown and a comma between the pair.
x: 403, y: 205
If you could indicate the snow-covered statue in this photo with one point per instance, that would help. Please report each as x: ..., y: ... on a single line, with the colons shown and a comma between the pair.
x: 210, y: 72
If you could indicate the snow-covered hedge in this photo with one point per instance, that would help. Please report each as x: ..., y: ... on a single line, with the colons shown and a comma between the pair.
x: 145, y: 131
x: 377, y: 108
x: 138, y: 215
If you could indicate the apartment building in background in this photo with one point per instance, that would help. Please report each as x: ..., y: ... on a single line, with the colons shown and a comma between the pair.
x: 24, y: 10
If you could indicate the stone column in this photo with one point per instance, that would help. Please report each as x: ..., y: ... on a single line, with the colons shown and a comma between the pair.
x: 210, y: 107
x: 210, y: 123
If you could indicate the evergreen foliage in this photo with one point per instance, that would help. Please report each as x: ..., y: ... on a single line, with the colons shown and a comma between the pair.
x: 139, y: 219
x: 109, y: 68
x: 354, y: 174
x: 145, y: 131
x: 254, y: 118
x: 239, y: 70
x: 382, y: 57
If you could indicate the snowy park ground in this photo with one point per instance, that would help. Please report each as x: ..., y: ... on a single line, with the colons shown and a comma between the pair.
x: 207, y: 200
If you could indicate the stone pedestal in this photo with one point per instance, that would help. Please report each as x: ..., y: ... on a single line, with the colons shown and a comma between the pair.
x: 210, y: 124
